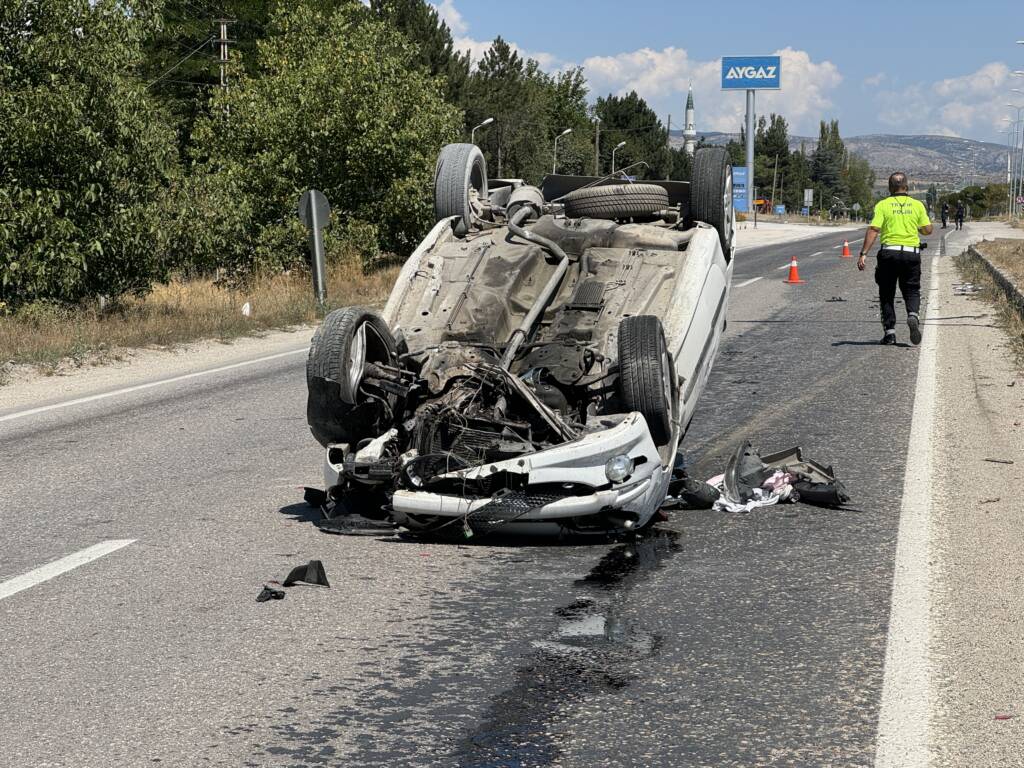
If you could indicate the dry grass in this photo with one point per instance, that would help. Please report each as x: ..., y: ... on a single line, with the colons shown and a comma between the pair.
x: 972, y: 271
x: 178, y: 312
x: 1008, y: 255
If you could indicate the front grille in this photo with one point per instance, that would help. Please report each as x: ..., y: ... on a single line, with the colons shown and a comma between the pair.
x: 511, y: 506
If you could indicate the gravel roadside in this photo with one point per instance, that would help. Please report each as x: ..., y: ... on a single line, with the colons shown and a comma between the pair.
x: 978, y: 592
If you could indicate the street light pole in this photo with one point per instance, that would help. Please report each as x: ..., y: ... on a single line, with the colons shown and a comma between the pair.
x: 617, y: 147
x: 597, y: 145
x: 1018, y: 164
x: 554, y: 159
x: 484, y: 124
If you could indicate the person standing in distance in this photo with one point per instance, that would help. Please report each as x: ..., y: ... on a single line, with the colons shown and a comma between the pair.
x: 960, y: 214
x: 900, y: 220
x: 945, y: 214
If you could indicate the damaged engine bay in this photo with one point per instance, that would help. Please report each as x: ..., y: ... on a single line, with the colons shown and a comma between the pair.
x: 538, y: 360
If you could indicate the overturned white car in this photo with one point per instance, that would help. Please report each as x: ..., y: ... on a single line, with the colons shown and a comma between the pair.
x: 539, y: 358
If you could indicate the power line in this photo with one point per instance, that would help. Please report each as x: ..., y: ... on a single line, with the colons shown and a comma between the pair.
x: 192, y: 53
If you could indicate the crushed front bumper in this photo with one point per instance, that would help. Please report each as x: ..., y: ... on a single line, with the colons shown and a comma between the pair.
x: 580, y: 462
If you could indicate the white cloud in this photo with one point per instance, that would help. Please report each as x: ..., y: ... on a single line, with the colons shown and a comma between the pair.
x: 450, y: 15
x: 875, y: 80
x: 661, y: 77
x: 973, y: 104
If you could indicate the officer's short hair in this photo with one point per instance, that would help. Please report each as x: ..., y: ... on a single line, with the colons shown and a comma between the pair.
x: 897, y: 183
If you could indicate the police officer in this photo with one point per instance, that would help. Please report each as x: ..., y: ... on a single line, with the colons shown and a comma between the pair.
x: 899, y: 220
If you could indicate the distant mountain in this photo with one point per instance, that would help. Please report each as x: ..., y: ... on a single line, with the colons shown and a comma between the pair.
x: 943, y: 160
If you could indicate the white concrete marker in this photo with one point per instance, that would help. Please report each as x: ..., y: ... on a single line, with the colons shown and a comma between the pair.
x: 907, y: 692
x: 148, y: 385
x: 57, y: 567
x: 748, y: 282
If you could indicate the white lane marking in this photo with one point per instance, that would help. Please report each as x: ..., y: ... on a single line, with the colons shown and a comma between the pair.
x: 149, y: 385
x: 838, y: 246
x: 817, y: 253
x: 787, y: 265
x: 748, y: 282
x: 906, y: 708
x: 57, y: 567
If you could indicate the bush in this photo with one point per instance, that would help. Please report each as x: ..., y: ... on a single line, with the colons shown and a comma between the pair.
x: 86, y: 154
x: 338, y: 105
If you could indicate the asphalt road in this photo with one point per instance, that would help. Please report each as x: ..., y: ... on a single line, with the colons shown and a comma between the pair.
x: 740, y: 640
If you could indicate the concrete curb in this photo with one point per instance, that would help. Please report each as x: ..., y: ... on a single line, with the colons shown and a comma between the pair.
x: 1004, y: 281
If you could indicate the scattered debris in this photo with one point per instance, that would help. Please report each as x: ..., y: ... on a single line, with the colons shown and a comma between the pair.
x: 751, y: 480
x: 270, y: 593
x: 965, y: 289
x: 1004, y: 716
x: 998, y: 461
x: 835, y: 298
x: 1012, y: 383
x: 311, y: 573
x: 992, y: 500
x: 247, y: 309
x: 315, y: 497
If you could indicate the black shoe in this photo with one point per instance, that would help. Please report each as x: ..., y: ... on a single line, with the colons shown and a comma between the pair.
x: 889, y: 338
x: 914, y: 324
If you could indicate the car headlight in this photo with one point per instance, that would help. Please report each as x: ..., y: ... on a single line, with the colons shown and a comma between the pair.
x: 618, y: 468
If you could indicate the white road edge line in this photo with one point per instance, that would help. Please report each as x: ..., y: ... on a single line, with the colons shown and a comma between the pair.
x: 904, y: 735
x: 148, y: 385
x: 57, y: 567
x: 748, y: 282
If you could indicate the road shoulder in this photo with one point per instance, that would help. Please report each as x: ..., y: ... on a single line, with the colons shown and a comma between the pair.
x: 978, y: 537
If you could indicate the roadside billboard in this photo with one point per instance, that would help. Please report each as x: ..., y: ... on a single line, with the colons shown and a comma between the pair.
x: 741, y: 73
x: 740, y: 194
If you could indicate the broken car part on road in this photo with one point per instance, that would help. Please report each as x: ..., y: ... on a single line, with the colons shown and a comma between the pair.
x: 751, y: 481
x: 538, y: 360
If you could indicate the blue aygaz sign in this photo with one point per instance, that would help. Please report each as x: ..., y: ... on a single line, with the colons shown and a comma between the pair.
x: 741, y: 73
x: 740, y: 198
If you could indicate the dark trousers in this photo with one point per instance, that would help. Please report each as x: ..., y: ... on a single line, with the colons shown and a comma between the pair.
x: 959, y: 222
x: 903, y: 269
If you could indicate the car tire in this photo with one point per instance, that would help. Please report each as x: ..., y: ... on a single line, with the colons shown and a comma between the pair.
x: 460, y: 171
x: 711, y: 194
x: 615, y: 201
x: 646, y: 374
x: 341, y: 346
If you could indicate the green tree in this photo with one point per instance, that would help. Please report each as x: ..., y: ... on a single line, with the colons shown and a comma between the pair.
x: 180, y: 55
x: 86, y: 154
x: 628, y: 118
x: 827, y: 164
x: 338, y: 104
x: 435, y: 49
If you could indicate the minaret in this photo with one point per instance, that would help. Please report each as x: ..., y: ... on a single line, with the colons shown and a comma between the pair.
x: 690, y: 131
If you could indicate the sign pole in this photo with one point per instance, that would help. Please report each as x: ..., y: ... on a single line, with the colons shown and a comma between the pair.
x: 750, y: 145
x: 314, y: 211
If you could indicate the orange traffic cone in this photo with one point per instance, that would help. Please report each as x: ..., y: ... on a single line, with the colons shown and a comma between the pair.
x: 794, y: 273
x: 846, y: 250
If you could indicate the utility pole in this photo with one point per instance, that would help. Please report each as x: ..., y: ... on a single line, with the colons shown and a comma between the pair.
x: 222, y: 49
x: 668, y: 147
x: 597, y: 145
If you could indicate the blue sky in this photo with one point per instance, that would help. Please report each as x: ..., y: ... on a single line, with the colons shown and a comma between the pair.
x: 909, y: 67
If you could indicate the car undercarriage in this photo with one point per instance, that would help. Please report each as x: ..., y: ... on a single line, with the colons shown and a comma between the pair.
x: 539, y: 357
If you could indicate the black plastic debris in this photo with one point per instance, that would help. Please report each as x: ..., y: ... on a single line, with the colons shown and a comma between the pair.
x: 311, y: 573
x: 315, y: 497
x: 269, y: 593
x: 835, y: 298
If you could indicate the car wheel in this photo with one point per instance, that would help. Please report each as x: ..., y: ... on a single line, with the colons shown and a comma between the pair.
x: 711, y: 194
x: 615, y: 201
x: 459, y: 176
x: 646, y: 375
x: 344, y: 343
